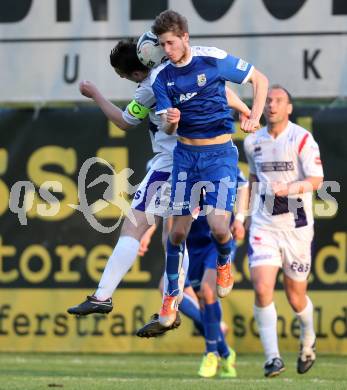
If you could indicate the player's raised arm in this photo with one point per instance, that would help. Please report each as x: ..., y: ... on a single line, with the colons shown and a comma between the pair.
x: 236, y: 103
x: 112, y: 112
x: 260, y: 87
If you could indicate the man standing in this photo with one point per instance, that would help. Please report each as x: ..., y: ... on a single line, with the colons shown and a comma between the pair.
x: 284, y: 159
x: 191, y: 98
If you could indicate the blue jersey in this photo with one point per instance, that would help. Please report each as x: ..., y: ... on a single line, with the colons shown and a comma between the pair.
x: 198, y: 91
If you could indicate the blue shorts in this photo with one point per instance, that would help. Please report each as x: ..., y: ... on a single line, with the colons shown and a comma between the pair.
x: 202, y: 251
x: 213, y: 167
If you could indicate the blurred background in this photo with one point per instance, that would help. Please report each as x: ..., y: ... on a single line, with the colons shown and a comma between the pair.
x: 50, y: 255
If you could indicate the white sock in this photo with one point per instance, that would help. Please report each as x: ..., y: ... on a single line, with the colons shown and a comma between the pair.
x: 266, y: 318
x: 307, y: 333
x: 118, y: 264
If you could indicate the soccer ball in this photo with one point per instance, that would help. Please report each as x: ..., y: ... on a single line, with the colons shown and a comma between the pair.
x: 149, y: 51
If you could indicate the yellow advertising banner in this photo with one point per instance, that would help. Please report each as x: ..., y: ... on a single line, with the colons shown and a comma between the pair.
x: 36, y: 320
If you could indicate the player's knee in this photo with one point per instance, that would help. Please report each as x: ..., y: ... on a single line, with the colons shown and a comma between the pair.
x: 177, y: 237
x: 208, y: 293
x: 297, y: 301
x: 263, y: 293
x: 220, y: 233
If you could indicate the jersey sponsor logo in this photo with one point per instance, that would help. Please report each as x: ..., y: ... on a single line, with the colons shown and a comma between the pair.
x: 276, y: 166
x: 137, y: 195
x: 261, y: 257
x: 184, y: 97
x: 257, y: 151
x: 242, y: 65
x: 201, y: 79
x: 170, y: 83
x: 297, y: 267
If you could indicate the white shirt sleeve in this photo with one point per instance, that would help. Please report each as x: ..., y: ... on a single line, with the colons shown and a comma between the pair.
x: 309, y: 156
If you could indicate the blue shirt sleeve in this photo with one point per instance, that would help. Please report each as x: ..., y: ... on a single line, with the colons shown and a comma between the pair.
x: 160, y: 93
x: 234, y: 69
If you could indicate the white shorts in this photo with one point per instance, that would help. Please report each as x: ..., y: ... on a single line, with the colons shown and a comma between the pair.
x: 153, y: 193
x: 289, y: 250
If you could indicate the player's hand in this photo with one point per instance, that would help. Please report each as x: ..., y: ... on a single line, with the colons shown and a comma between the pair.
x: 173, y: 115
x: 88, y: 89
x: 243, y: 117
x: 144, y: 245
x: 249, y: 125
x: 280, y: 189
x: 238, y: 230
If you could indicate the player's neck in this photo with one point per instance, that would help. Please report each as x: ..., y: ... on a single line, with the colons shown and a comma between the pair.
x: 276, y: 129
x: 186, y: 58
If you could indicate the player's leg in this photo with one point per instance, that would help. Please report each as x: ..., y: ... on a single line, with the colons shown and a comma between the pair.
x: 181, y: 223
x: 121, y: 260
x: 212, y: 317
x: 265, y: 261
x: 145, y: 210
x: 296, y: 268
x: 222, y: 172
x: 174, y: 259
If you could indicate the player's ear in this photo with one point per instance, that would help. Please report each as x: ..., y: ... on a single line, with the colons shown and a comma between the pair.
x: 290, y: 109
x: 185, y: 37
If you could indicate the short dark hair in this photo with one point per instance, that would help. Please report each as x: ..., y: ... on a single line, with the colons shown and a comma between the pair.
x: 170, y: 21
x: 123, y: 57
x: 279, y: 86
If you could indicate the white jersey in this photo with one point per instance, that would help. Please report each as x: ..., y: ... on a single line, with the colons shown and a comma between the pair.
x: 291, y: 156
x: 144, y: 100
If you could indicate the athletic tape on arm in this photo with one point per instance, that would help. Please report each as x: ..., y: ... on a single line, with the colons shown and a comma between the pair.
x: 137, y: 110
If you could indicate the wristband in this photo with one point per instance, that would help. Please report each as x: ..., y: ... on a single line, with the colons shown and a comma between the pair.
x: 240, y: 217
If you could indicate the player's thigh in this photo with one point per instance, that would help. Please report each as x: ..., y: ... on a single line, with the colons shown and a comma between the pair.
x: 297, y: 253
x: 137, y: 225
x: 153, y: 194
x: 265, y: 259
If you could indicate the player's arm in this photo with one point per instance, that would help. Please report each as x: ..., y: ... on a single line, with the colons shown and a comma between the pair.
x: 309, y: 184
x: 169, y: 116
x: 236, y: 103
x: 260, y: 85
x: 146, y: 240
x: 311, y: 165
x: 170, y: 119
x: 112, y: 112
x: 241, y: 206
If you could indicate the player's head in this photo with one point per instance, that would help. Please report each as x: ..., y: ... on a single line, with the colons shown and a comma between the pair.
x: 172, y: 31
x: 123, y: 59
x: 278, y: 106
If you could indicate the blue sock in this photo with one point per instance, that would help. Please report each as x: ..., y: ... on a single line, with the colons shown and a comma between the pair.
x: 212, y: 327
x: 174, y: 252
x: 192, y: 310
x: 222, y: 346
x: 223, y: 250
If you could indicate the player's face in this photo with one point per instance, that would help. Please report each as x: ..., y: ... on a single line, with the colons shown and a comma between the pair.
x: 136, y: 76
x: 277, y: 107
x: 176, y: 48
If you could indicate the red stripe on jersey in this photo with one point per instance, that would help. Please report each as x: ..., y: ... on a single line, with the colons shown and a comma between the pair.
x: 302, y: 143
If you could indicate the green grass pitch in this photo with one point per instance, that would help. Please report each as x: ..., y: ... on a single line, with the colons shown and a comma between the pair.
x: 37, y: 371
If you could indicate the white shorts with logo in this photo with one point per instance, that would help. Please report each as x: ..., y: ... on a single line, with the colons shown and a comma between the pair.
x: 153, y: 193
x: 289, y: 250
